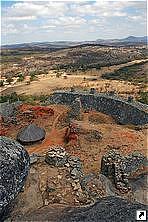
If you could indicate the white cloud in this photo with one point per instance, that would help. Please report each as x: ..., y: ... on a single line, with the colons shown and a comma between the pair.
x: 136, y: 17
x: 32, y: 10
x: 66, y: 22
x: 21, y: 18
x: 9, y: 29
x: 100, y: 8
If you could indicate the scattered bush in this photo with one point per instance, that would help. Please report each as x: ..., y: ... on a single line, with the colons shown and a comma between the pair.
x: 143, y: 97
x: 21, y: 77
x: 1, y: 83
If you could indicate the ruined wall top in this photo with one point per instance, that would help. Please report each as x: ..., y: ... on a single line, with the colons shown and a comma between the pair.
x: 111, y: 95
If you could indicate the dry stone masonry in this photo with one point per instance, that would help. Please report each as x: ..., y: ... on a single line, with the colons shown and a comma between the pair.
x: 56, y: 156
x: 75, y: 109
x: 124, y: 111
x: 118, y: 168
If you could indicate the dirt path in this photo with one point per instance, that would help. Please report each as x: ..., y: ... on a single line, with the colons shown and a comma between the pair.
x: 54, y: 137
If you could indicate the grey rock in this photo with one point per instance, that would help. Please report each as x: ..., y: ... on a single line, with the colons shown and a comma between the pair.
x: 14, y: 166
x: 76, y: 173
x: 56, y: 156
x: 33, y: 158
x: 108, y: 209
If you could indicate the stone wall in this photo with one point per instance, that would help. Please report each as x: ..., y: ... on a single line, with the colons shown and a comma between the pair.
x: 118, y: 168
x: 124, y: 111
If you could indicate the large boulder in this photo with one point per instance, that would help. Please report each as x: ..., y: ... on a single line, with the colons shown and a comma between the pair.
x: 14, y: 166
x: 108, y: 209
x: 31, y: 134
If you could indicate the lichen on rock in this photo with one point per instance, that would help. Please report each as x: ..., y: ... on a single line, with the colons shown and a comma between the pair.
x: 14, y: 166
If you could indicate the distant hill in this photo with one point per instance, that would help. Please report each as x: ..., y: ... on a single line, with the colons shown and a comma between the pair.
x: 125, y: 41
x: 131, y: 40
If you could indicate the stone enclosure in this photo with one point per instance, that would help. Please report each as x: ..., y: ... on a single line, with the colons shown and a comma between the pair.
x: 124, y: 111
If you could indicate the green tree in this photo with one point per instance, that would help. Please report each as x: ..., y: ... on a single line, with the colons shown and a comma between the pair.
x: 1, y: 83
x: 21, y: 77
x: 33, y: 76
x: 143, y: 97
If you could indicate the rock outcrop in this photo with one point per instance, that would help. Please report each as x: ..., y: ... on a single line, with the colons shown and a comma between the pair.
x: 108, y: 209
x: 14, y: 166
x: 31, y: 134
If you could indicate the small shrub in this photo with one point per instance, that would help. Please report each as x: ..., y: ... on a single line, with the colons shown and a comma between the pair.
x: 143, y: 97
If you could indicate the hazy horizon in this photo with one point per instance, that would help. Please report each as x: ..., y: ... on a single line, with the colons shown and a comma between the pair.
x: 72, y: 40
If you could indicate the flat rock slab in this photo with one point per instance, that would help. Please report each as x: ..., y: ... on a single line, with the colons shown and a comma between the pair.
x: 14, y: 166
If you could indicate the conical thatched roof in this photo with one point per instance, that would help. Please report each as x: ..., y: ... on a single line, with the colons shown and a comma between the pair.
x: 31, y: 134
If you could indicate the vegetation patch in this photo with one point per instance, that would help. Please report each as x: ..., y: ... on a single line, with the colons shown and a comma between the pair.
x: 30, y: 99
x: 135, y: 73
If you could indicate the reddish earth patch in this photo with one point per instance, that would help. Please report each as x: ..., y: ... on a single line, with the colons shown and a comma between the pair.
x: 114, y: 136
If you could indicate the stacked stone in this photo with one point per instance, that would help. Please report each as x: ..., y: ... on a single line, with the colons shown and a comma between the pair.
x: 9, y: 111
x: 124, y: 111
x: 56, y: 156
x: 113, y: 166
x: 121, y: 178
x: 133, y: 161
x: 75, y: 109
x: 76, y: 167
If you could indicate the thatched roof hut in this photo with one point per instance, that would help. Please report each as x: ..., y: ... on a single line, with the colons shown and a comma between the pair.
x: 31, y: 134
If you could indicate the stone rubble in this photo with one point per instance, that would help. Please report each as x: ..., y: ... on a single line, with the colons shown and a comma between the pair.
x: 56, y: 156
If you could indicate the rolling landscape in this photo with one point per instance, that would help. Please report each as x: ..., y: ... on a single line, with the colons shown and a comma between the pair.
x: 73, y: 114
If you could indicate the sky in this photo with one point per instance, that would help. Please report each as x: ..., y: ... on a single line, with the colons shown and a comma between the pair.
x: 41, y: 21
